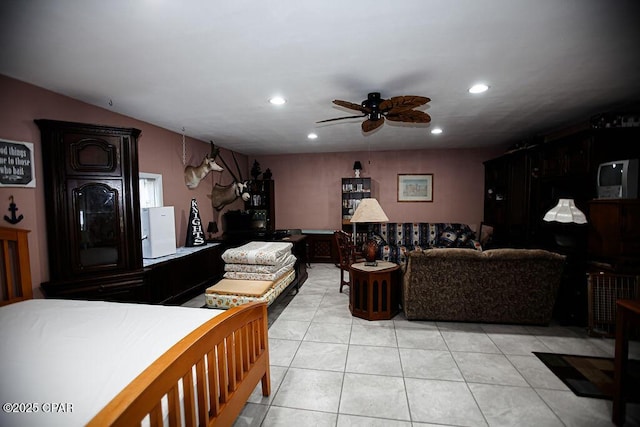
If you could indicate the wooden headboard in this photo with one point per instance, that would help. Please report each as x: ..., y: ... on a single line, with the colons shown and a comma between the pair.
x: 15, y: 270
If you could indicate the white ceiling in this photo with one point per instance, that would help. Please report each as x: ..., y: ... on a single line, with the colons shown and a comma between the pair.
x: 211, y: 66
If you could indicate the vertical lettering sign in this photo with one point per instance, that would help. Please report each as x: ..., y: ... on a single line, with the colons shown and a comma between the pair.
x: 16, y: 164
x: 195, y: 233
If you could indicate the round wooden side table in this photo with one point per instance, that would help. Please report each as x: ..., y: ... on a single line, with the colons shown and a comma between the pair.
x: 374, y: 293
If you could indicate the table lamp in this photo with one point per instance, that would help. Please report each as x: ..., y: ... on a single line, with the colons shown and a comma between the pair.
x: 369, y: 211
x: 357, y: 167
x: 565, y: 212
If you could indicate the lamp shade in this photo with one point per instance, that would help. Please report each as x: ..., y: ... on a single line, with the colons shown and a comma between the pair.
x: 369, y: 210
x: 567, y: 212
x: 357, y: 165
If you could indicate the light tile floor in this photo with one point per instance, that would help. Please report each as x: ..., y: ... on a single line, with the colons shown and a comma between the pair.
x: 331, y: 369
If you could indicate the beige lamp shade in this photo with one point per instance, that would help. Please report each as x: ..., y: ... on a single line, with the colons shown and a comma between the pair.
x: 369, y: 210
x: 567, y: 212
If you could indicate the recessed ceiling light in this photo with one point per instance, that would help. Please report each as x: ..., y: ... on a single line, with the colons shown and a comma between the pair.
x: 277, y: 100
x: 478, y: 88
x: 436, y: 131
x: 312, y: 136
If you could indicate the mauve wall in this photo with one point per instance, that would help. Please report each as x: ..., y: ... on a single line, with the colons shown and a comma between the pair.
x: 307, y: 186
x: 160, y: 151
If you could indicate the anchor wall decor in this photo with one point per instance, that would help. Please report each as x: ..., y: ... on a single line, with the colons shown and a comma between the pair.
x: 13, y: 209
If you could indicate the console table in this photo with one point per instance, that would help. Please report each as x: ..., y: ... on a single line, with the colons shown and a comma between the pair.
x: 174, y: 279
x: 169, y: 280
x: 375, y: 291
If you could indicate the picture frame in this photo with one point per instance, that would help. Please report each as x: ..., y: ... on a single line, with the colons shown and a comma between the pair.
x: 415, y: 187
x: 17, y: 168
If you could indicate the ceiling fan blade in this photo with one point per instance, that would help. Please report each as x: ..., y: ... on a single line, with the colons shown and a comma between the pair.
x: 351, y: 106
x: 341, y: 118
x: 402, y: 103
x: 369, y: 125
x: 411, y: 116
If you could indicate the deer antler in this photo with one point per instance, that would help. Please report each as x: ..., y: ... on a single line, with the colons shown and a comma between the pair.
x: 214, y: 150
x: 237, y: 167
x: 214, y: 154
x: 228, y: 169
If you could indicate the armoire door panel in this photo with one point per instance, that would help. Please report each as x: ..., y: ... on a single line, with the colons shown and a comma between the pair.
x: 87, y: 155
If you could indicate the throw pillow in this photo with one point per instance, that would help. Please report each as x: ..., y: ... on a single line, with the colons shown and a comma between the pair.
x: 448, y: 238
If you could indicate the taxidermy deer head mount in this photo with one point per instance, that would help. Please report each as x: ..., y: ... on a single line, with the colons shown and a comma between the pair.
x: 194, y: 174
x: 222, y: 195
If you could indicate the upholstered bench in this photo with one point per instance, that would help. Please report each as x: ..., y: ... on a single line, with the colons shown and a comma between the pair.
x: 228, y: 293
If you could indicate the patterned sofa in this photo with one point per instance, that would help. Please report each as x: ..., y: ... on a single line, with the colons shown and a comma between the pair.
x: 395, y: 240
x: 493, y: 286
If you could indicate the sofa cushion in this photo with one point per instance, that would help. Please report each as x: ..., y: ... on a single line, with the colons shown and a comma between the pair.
x: 520, y: 254
x: 448, y: 239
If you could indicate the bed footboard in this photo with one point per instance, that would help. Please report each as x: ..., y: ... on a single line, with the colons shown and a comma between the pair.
x: 204, y: 379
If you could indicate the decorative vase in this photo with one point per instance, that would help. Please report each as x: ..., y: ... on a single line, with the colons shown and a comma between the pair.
x: 370, y: 252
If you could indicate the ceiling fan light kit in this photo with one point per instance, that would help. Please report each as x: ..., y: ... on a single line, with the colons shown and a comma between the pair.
x: 376, y: 109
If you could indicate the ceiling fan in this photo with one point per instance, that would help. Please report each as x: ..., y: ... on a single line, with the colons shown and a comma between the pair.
x: 397, y: 108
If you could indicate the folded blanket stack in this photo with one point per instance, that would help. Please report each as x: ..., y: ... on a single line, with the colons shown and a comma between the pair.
x: 259, y: 261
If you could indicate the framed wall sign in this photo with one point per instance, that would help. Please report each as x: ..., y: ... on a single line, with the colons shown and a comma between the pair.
x: 16, y: 164
x: 415, y: 188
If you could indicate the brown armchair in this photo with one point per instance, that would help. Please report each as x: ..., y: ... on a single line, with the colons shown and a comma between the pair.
x: 347, y: 255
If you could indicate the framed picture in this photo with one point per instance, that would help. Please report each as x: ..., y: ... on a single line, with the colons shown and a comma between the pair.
x: 16, y: 164
x: 415, y: 188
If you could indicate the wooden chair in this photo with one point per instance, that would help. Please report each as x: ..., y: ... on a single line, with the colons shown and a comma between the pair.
x: 347, y: 255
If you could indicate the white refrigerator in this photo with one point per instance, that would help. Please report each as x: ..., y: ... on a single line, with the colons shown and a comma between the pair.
x: 158, y: 232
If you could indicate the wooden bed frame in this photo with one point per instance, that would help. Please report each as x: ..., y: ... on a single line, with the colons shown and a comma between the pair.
x: 205, y: 379
x: 15, y: 270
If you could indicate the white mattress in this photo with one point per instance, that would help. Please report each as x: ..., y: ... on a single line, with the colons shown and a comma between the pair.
x: 289, y: 260
x: 259, y: 276
x: 263, y: 253
x: 81, y: 353
x: 220, y: 301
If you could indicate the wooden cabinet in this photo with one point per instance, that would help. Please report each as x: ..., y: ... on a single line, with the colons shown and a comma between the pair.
x: 322, y: 247
x: 92, y: 205
x: 177, y: 280
x: 495, y: 190
x: 93, y: 222
x: 570, y: 157
x: 614, y: 232
x: 375, y: 292
x: 507, y: 197
x: 301, y: 251
x: 522, y: 185
x: 262, y: 205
